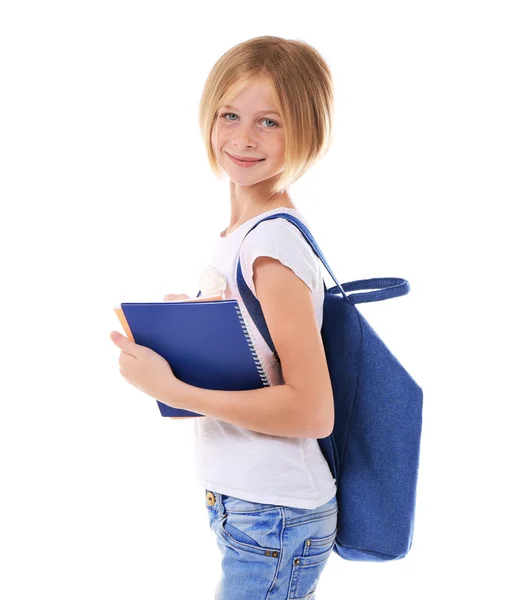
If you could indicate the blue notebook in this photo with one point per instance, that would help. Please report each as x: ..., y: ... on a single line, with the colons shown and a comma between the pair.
x: 207, y: 344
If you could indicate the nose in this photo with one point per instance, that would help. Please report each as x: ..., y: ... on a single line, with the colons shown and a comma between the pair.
x: 243, y: 136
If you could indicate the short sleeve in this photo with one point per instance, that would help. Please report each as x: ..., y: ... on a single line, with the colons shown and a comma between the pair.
x: 283, y: 241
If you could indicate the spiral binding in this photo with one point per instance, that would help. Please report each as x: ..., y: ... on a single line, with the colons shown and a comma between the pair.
x: 260, y: 364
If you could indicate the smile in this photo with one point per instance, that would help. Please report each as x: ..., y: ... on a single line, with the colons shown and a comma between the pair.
x: 244, y: 163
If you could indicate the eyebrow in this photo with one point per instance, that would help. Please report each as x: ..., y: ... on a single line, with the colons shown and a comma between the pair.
x: 261, y: 111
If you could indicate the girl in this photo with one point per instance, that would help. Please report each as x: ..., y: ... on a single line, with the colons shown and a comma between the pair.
x: 265, y: 116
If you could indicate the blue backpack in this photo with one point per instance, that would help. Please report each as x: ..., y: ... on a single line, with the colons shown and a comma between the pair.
x: 373, y: 452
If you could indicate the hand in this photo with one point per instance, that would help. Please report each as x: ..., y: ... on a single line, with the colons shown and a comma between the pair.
x: 147, y: 370
x: 175, y: 297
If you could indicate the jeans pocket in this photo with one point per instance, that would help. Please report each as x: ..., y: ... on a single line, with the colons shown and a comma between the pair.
x: 257, y: 531
x: 308, y: 567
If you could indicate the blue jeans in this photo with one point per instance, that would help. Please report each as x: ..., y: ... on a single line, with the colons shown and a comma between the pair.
x: 270, y: 552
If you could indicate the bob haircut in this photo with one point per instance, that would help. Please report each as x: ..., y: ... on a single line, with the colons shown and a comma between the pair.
x: 301, y: 86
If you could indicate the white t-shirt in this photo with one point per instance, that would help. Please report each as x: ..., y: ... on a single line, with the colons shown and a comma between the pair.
x: 243, y: 463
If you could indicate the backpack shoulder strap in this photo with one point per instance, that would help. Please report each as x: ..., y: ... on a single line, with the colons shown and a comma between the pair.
x: 307, y: 235
x: 389, y: 286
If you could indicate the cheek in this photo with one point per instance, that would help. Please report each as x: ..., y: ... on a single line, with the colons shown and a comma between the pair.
x: 217, y: 138
x: 278, y: 149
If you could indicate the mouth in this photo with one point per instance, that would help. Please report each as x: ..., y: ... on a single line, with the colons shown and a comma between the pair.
x: 245, y: 162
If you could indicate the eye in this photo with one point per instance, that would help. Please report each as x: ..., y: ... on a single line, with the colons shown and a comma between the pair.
x: 275, y: 124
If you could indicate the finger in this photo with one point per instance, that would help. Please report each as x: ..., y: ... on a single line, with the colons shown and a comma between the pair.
x: 176, y: 297
x: 121, y: 341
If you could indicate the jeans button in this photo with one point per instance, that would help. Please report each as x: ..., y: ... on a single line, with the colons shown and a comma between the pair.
x: 210, y: 499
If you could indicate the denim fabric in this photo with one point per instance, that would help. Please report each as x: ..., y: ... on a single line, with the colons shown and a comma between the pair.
x: 270, y: 552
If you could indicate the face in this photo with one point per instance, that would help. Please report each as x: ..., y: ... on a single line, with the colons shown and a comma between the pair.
x: 247, y: 127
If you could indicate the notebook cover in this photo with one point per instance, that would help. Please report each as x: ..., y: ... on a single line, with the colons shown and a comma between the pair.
x: 207, y: 344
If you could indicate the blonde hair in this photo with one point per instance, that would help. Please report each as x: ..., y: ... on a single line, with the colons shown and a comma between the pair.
x: 301, y: 85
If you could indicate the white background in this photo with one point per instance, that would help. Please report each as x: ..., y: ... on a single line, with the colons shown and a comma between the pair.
x: 107, y: 197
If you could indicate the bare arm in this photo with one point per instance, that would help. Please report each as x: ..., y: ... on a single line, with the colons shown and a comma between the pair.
x: 303, y: 405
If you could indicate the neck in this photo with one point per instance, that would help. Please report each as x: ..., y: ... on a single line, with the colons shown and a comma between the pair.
x: 247, y: 204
